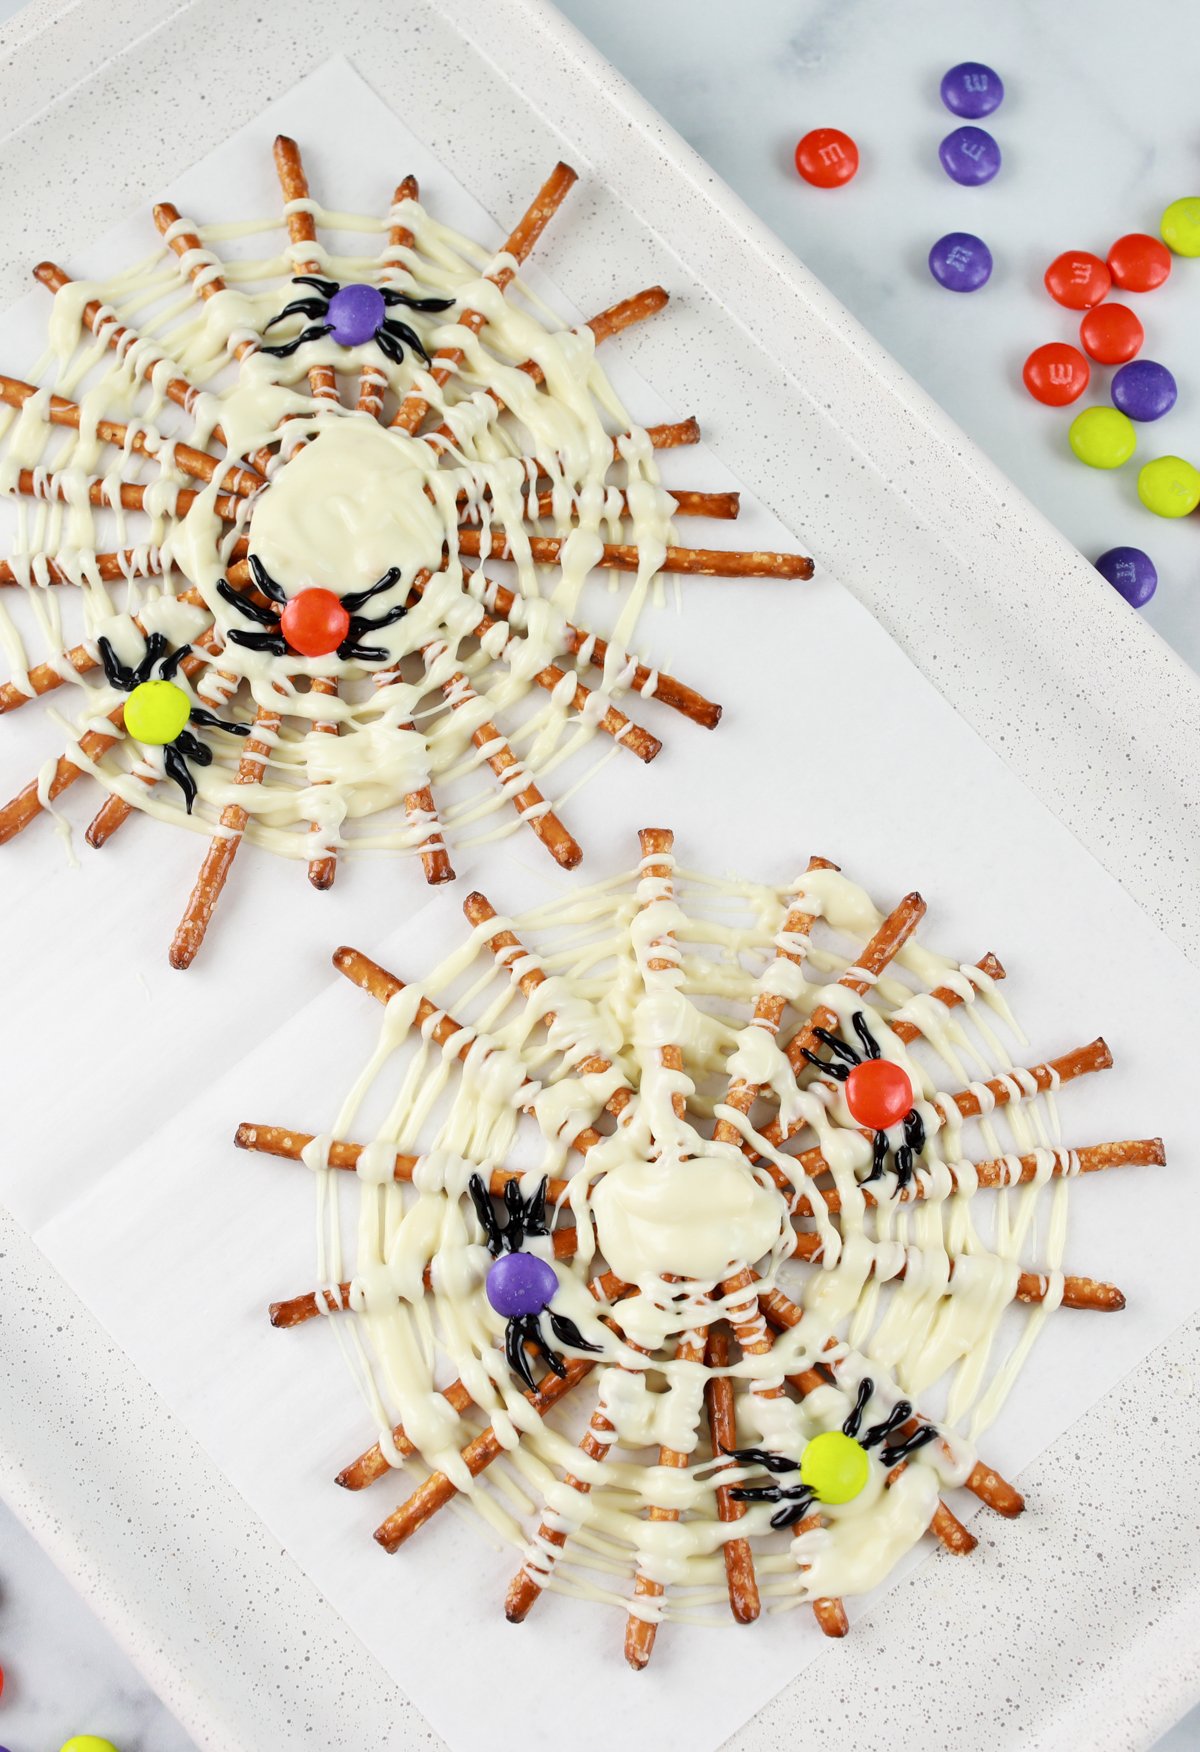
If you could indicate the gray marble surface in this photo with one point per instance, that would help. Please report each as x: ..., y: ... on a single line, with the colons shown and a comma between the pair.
x: 1096, y: 141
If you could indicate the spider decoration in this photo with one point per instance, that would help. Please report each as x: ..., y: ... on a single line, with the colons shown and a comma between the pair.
x: 314, y: 622
x: 834, y: 1466
x: 158, y: 711
x: 355, y: 314
x: 520, y: 1286
x: 879, y: 1094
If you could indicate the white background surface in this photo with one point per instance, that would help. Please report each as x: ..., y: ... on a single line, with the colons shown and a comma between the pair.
x: 714, y: 86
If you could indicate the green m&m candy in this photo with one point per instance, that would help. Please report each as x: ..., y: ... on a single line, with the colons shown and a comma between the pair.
x: 834, y: 1466
x: 1169, y: 486
x: 88, y: 1743
x: 1102, y: 437
x: 156, y: 711
x: 1180, y: 226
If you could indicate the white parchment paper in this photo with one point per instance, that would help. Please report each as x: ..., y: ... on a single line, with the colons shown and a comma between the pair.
x: 127, y: 1080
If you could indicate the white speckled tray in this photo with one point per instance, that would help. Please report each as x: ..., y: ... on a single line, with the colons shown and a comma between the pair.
x: 116, y: 97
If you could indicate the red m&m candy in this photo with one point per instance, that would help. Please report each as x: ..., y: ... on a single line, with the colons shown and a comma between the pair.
x: 314, y: 622
x: 826, y: 158
x: 1138, y: 263
x: 878, y: 1093
x: 1056, y: 374
x: 1112, y: 334
x: 1078, y: 279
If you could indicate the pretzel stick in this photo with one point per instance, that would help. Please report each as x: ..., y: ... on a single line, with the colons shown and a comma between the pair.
x: 1002, y: 1090
x: 510, y: 953
x: 544, y: 550
x: 593, y: 650
x: 672, y: 436
x: 614, y: 723
x: 609, y: 322
x: 383, y: 986
x: 43, y: 678
x: 218, y: 860
x: 322, y: 381
x: 883, y: 947
x: 372, y: 382
x: 528, y: 802
x: 948, y: 997
x: 184, y: 244
x: 289, y: 1146
x: 529, y: 228
x: 1031, y: 1286
x: 198, y: 463
x: 998, y: 1171
x: 111, y: 568
x: 437, y: 1489
x: 16, y: 814
x: 122, y: 338
x: 132, y: 494
x: 722, y: 1427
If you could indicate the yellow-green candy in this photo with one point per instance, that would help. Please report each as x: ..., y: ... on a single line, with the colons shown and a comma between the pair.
x: 1103, y: 437
x: 1169, y: 486
x: 155, y: 712
x: 88, y: 1743
x: 834, y: 1466
x: 1180, y: 226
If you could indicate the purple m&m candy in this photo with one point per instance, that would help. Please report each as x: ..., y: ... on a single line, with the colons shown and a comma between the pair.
x: 1144, y: 389
x: 969, y: 156
x: 1131, y: 574
x: 972, y: 90
x: 355, y: 312
x: 520, y: 1283
x: 960, y: 262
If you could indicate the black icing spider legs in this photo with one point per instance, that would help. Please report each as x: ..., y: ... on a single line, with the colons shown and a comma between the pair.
x: 158, y: 710
x: 314, y: 622
x: 520, y: 1285
x: 879, y: 1094
x: 354, y: 315
x: 823, y: 1474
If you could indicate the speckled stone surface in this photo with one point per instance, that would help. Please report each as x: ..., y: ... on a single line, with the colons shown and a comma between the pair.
x: 1012, y: 626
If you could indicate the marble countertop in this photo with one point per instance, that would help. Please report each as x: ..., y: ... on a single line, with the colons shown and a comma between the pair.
x: 1096, y: 140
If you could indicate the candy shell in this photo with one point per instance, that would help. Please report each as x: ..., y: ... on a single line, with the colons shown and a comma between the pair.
x: 1138, y: 262
x: 1131, y: 573
x: 969, y: 156
x: 1145, y: 390
x: 1169, y: 486
x: 835, y: 1466
x: 827, y: 158
x: 1056, y: 374
x: 1111, y: 334
x: 1078, y: 279
x: 960, y: 262
x: 1102, y: 437
x: 156, y: 711
x: 88, y: 1743
x: 1180, y: 226
x: 972, y: 89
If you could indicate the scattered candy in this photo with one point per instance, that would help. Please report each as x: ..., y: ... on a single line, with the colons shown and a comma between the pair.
x: 827, y: 158
x: 834, y: 1466
x: 1180, y: 226
x: 1138, y: 263
x: 1103, y: 437
x: 969, y: 156
x: 878, y: 1093
x: 88, y: 1743
x: 314, y: 622
x: 1131, y: 573
x: 1056, y: 374
x: 1144, y: 390
x: 355, y: 312
x: 519, y: 1284
x: 1112, y: 334
x: 960, y: 262
x: 156, y: 711
x: 972, y: 90
x: 1078, y: 279
x: 1169, y: 486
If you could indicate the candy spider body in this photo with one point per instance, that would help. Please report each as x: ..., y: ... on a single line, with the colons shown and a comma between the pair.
x: 314, y: 622
x: 354, y: 315
x: 158, y: 711
x: 519, y: 1285
x: 835, y: 1465
x: 879, y: 1094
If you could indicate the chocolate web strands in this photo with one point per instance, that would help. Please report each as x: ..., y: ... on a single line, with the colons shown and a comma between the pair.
x: 441, y: 708
x: 717, y: 1226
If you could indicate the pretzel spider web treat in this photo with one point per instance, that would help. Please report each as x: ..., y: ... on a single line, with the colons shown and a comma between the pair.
x: 755, y: 1164
x: 278, y: 465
